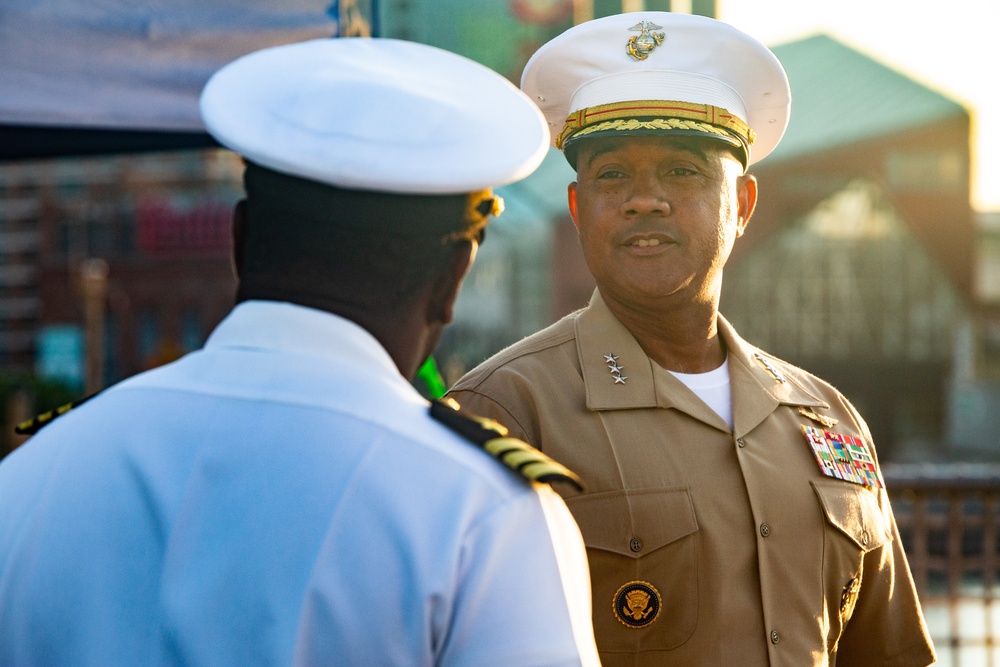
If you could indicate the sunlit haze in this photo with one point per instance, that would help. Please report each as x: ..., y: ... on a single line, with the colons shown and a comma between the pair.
x: 951, y: 47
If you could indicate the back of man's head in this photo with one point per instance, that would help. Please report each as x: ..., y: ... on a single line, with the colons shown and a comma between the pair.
x: 369, y: 162
x: 342, y: 250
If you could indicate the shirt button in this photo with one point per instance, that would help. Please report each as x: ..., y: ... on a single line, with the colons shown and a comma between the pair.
x: 864, y: 538
x: 741, y: 442
x: 635, y: 544
x: 765, y: 530
x: 774, y: 636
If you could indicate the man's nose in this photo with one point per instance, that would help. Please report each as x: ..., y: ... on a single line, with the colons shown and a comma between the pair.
x: 647, y: 195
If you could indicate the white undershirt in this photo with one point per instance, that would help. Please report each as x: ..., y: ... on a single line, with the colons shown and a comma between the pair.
x: 713, y: 388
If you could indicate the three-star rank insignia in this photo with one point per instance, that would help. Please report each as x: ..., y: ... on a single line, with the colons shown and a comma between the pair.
x: 492, y: 436
x: 616, y: 371
x: 843, y: 456
x: 637, y: 604
x: 641, y: 45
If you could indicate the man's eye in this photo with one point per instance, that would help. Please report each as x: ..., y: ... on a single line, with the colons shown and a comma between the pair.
x: 611, y: 173
x: 682, y: 171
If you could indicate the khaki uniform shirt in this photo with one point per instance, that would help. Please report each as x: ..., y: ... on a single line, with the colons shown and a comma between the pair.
x: 708, y: 546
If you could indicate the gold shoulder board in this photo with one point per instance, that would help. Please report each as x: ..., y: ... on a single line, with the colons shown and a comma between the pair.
x: 35, y: 424
x: 513, y: 453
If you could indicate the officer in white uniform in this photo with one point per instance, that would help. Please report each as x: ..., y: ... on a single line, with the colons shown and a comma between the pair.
x: 284, y: 495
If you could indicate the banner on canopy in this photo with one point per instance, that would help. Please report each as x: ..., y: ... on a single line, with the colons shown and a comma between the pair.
x: 138, y: 66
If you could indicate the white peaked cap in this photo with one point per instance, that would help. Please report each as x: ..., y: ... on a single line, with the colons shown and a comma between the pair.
x: 375, y: 114
x: 733, y: 84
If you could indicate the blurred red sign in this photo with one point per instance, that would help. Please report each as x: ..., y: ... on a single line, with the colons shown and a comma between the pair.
x: 166, y: 227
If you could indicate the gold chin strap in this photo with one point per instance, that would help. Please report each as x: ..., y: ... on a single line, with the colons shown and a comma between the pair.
x: 479, y: 208
x: 655, y: 114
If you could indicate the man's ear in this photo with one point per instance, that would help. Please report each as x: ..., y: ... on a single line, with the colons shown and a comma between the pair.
x: 445, y: 290
x: 239, y: 235
x: 571, y: 197
x: 746, y: 202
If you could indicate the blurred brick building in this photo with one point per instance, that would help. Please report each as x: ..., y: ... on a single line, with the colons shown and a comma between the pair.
x: 157, y: 223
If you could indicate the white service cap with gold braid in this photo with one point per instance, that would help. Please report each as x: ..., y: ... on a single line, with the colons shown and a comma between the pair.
x: 376, y: 114
x: 660, y: 72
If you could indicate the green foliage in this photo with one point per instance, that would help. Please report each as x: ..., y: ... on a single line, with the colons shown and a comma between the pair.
x: 429, y: 381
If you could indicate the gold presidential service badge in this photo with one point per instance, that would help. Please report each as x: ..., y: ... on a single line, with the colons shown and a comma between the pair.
x: 637, y: 604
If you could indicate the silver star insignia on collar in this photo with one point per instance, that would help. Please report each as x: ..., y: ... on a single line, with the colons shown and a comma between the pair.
x: 616, y: 370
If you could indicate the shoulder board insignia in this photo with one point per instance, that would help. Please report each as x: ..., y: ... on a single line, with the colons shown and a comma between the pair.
x: 35, y: 424
x: 513, y: 453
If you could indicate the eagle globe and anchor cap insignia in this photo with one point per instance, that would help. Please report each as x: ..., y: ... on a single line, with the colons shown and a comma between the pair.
x: 637, y: 604
x: 641, y: 45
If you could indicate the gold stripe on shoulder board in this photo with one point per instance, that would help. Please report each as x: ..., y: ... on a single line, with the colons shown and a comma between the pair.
x: 531, y: 462
x: 492, y: 436
x: 35, y: 424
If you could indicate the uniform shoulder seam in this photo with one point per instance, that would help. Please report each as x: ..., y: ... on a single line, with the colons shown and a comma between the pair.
x: 552, y: 336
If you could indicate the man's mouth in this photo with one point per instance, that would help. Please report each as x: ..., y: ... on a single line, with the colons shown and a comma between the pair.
x: 649, y: 239
x: 645, y: 243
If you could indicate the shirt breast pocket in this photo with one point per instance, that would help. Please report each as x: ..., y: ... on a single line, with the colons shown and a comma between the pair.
x: 643, y: 552
x: 854, y: 511
x: 856, y: 525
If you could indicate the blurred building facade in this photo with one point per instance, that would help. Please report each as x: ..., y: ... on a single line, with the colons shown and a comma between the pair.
x: 147, y: 236
x: 858, y: 264
x: 864, y: 262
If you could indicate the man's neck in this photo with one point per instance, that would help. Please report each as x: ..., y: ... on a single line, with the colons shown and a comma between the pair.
x: 683, y: 339
x: 403, y: 332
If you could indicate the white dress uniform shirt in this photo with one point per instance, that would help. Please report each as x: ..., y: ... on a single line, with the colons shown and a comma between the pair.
x: 280, y: 497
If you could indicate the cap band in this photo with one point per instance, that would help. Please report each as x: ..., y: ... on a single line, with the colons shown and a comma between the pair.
x: 298, y: 205
x: 655, y: 114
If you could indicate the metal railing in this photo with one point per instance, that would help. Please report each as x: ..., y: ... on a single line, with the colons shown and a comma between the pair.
x: 949, y: 520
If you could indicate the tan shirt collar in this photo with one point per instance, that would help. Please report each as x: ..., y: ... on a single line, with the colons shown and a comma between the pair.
x: 604, y: 345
